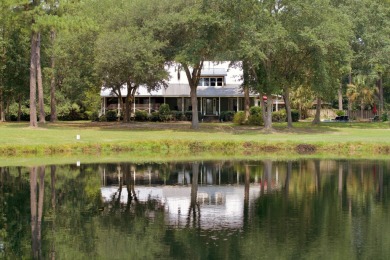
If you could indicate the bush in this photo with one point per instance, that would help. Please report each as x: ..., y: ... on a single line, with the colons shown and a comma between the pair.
x: 154, y: 117
x: 141, y: 115
x: 255, y: 120
x: 178, y: 116
x: 340, y: 113
x: 279, y: 116
x: 111, y: 115
x: 103, y: 118
x: 188, y: 116
x: 226, y: 116
x: 255, y: 116
x: 295, y: 115
x: 239, y: 118
x: 93, y: 116
x: 385, y: 117
x: 255, y: 111
x: 165, y: 113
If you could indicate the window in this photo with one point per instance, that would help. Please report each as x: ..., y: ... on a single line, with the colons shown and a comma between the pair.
x: 211, y: 81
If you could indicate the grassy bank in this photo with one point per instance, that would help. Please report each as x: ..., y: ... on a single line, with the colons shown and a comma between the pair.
x: 161, y: 139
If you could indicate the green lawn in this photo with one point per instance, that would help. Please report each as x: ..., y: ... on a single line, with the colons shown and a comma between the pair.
x: 160, y: 138
x: 64, y: 133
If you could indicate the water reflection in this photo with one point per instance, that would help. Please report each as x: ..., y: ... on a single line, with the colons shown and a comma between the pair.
x: 214, y: 209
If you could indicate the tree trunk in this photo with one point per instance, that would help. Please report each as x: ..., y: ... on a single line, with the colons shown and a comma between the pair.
x: 2, y: 110
x: 53, y: 103
x: 263, y: 108
x: 193, y: 80
x: 268, y: 122
x: 19, y: 106
x: 247, y: 103
x: 129, y: 101
x: 34, y: 213
x: 340, y: 95
x: 317, y: 117
x: 194, y: 104
x: 41, y: 104
x: 33, y: 80
x: 286, y: 91
x: 379, y: 84
x: 246, y: 90
x: 194, y: 206
x: 53, y: 169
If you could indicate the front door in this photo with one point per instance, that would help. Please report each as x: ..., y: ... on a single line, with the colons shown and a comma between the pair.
x: 210, y: 106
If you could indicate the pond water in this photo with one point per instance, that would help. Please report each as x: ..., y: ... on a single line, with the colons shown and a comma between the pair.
x: 334, y: 209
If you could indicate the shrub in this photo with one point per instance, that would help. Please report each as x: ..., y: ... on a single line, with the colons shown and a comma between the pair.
x: 141, y: 115
x: 340, y: 113
x: 226, y: 116
x: 154, y: 117
x: 165, y: 113
x: 178, y: 115
x: 93, y: 116
x: 239, y: 118
x: 255, y: 120
x: 385, y: 117
x: 255, y: 111
x: 111, y: 115
x: 279, y: 116
x: 103, y: 118
x: 188, y: 116
x: 295, y: 115
x: 255, y: 116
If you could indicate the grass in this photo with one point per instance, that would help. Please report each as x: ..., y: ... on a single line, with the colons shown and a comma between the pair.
x: 18, y: 140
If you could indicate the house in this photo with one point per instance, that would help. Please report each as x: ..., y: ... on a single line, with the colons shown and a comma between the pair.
x: 219, y: 90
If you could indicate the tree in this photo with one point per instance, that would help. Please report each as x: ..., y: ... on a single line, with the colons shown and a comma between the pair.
x: 194, y: 33
x: 127, y: 54
x: 371, y: 20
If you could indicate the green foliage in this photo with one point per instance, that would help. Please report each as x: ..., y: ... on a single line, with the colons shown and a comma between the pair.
x: 154, y: 116
x: 111, y: 115
x: 339, y: 112
x: 295, y: 115
x: 93, y: 116
x: 255, y: 120
x: 255, y: 111
x: 226, y: 116
x: 239, y: 118
x: 178, y: 116
x: 279, y: 116
x: 188, y: 115
x: 103, y: 118
x: 385, y: 116
x: 165, y: 112
x: 255, y: 116
x: 141, y: 115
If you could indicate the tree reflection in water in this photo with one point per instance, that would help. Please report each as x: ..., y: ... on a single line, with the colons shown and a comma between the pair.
x: 273, y: 209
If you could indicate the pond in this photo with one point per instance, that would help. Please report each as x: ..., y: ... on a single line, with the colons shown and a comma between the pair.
x: 267, y: 209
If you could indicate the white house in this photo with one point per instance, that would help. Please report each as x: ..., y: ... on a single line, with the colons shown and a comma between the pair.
x: 219, y: 90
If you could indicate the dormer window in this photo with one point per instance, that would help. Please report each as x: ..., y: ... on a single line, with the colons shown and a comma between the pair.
x: 211, y: 81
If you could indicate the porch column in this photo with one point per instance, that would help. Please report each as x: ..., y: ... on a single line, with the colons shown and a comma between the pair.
x: 201, y: 106
x: 149, y: 105
x: 276, y: 104
x: 164, y: 100
x: 219, y: 105
x: 119, y: 107
x: 103, y: 111
x: 238, y: 104
x: 134, y: 106
x: 182, y: 105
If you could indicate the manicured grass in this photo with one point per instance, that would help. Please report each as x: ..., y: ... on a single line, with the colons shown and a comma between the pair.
x: 17, y: 139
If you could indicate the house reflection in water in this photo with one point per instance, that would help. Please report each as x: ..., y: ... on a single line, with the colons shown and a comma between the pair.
x: 221, y: 195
